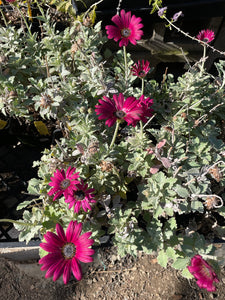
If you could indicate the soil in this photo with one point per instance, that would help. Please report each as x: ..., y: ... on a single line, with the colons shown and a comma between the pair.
x: 107, y: 278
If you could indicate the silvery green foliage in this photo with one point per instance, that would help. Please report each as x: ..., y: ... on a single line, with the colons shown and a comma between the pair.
x: 155, y: 190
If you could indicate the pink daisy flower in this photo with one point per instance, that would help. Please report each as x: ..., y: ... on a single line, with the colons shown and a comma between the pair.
x: 146, y: 105
x: 140, y: 69
x: 206, y: 36
x: 119, y: 109
x: 203, y: 272
x: 127, y: 29
x: 63, y: 183
x: 66, y: 251
x: 82, y: 196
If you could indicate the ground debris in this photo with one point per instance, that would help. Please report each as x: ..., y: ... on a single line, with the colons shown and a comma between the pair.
x: 128, y: 279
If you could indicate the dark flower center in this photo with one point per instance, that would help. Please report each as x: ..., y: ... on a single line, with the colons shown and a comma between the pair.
x: 206, y: 40
x: 68, y: 250
x: 80, y: 195
x: 65, y: 184
x: 142, y: 73
x: 125, y: 32
x: 120, y: 114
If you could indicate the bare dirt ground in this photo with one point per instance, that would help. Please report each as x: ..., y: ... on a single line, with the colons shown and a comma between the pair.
x: 106, y: 279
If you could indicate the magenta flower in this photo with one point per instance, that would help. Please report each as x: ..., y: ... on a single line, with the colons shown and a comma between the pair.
x: 63, y: 183
x: 127, y: 29
x: 82, y: 196
x: 206, y: 36
x: 140, y: 69
x: 66, y: 251
x: 11, y: 1
x: 203, y: 272
x: 119, y: 109
x: 146, y: 106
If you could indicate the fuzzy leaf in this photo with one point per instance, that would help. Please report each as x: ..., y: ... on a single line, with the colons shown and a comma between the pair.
x: 181, y: 191
x: 181, y: 263
x: 171, y: 253
x: 24, y: 204
x: 197, y: 206
x: 186, y: 274
x: 162, y: 258
x: 33, y: 186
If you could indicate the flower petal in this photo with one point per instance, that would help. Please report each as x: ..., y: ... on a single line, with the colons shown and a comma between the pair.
x: 67, y: 272
x: 73, y: 231
x: 60, y: 232
x: 76, y: 269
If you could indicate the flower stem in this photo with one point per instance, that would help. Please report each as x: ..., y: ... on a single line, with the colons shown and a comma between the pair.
x: 142, y: 86
x: 25, y: 21
x: 4, y: 19
x: 203, y: 60
x: 83, y: 218
x: 16, y: 222
x: 141, y: 130
x: 142, y: 93
x: 115, y: 134
x: 125, y: 63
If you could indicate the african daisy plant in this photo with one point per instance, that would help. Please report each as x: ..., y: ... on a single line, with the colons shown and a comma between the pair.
x: 140, y: 164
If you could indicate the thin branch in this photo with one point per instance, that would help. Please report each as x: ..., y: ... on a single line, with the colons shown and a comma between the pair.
x: 149, y: 121
x: 210, y: 196
x: 118, y: 6
x: 203, y: 174
x: 93, y: 5
x: 191, y: 37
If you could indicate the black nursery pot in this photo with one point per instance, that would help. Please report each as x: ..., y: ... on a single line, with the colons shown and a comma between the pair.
x: 20, y: 146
